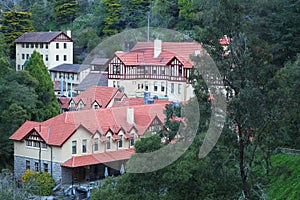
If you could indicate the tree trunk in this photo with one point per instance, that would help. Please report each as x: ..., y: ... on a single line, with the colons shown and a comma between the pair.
x: 242, y: 168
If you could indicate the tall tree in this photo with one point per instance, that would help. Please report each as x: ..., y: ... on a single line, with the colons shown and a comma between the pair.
x: 66, y: 11
x: 14, y: 24
x: 47, y: 104
x: 112, y: 21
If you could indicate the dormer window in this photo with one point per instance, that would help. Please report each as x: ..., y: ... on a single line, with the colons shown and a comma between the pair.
x: 96, y: 106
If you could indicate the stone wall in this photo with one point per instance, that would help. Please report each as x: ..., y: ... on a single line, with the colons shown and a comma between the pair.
x: 20, y: 167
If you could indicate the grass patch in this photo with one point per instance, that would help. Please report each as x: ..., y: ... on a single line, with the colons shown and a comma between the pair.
x: 284, y: 177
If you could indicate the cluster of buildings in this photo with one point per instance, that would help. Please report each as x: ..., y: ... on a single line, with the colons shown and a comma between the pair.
x: 105, y: 106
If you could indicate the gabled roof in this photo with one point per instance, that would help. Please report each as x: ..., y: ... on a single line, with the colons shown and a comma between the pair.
x: 100, y: 61
x: 93, y: 79
x: 71, y: 68
x: 143, y: 53
x: 57, y: 130
x: 102, y: 95
x: 40, y: 37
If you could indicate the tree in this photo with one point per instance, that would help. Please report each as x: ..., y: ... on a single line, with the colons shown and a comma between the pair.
x: 165, y: 13
x: 66, y: 11
x: 42, y: 16
x: 112, y: 21
x: 14, y: 24
x: 47, y: 105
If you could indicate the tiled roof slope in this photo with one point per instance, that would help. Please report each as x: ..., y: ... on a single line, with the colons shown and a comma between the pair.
x: 102, y: 95
x: 39, y: 37
x: 143, y: 53
x: 57, y: 130
x: 93, y: 159
x: 93, y: 79
x: 73, y: 68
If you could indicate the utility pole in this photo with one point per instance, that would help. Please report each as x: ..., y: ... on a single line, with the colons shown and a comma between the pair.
x: 148, y: 32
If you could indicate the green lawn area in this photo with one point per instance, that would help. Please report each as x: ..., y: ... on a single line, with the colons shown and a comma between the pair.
x: 285, y: 177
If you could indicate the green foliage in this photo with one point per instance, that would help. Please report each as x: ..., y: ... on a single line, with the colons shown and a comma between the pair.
x: 284, y: 178
x: 40, y: 183
x: 14, y: 24
x: 65, y: 11
x: 47, y: 105
x: 112, y: 21
x: 42, y: 16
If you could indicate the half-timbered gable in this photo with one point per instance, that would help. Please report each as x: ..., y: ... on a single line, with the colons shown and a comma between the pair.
x: 116, y: 69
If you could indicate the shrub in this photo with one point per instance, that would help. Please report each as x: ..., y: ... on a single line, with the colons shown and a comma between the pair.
x: 40, y: 183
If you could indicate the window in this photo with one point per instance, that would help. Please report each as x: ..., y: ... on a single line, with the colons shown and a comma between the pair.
x: 46, y: 46
x: 172, y: 88
x: 57, y: 57
x: 19, y: 67
x: 65, y: 57
x: 96, y: 145
x: 46, y: 57
x: 36, y: 166
x: 162, y: 86
x: 163, y: 71
x: 57, y: 45
x: 108, y: 143
x: 36, y: 144
x: 74, y: 144
x: 154, y: 71
x: 23, y: 56
x: 179, y: 88
x: 65, y: 45
x: 155, y: 86
x: 83, y: 146
x: 116, y: 69
x: 172, y: 71
x: 46, y: 167
x: 27, y: 56
x: 27, y: 164
x: 22, y: 45
x: 32, y: 45
x: 180, y: 70
x: 132, y: 140
x: 96, y: 106
x: 121, y: 142
x: 146, y: 85
x: 36, y: 45
x: 41, y: 45
x: 44, y: 145
x: 27, y: 45
x: 139, y: 86
x: 42, y: 56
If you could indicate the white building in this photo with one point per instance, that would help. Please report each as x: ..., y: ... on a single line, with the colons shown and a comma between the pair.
x: 56, y: 48
x: 161, y: 68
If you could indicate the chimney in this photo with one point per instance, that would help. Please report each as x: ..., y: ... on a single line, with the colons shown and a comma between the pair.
x: 130, y: 115
x: 157, y: 47
x: 69, y: 33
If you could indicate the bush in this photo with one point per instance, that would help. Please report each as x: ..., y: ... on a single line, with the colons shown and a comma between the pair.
x: 39, y: 183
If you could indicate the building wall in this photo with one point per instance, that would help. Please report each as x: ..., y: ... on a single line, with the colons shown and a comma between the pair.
x: 136, y: 88
x: 20, y: 167
x: 51, y: 53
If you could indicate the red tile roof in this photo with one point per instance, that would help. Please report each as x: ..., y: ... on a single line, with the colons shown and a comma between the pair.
x: 57, y: 130
x: 143, y: 53
x: 93, y: 159
x: 102, y: 95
